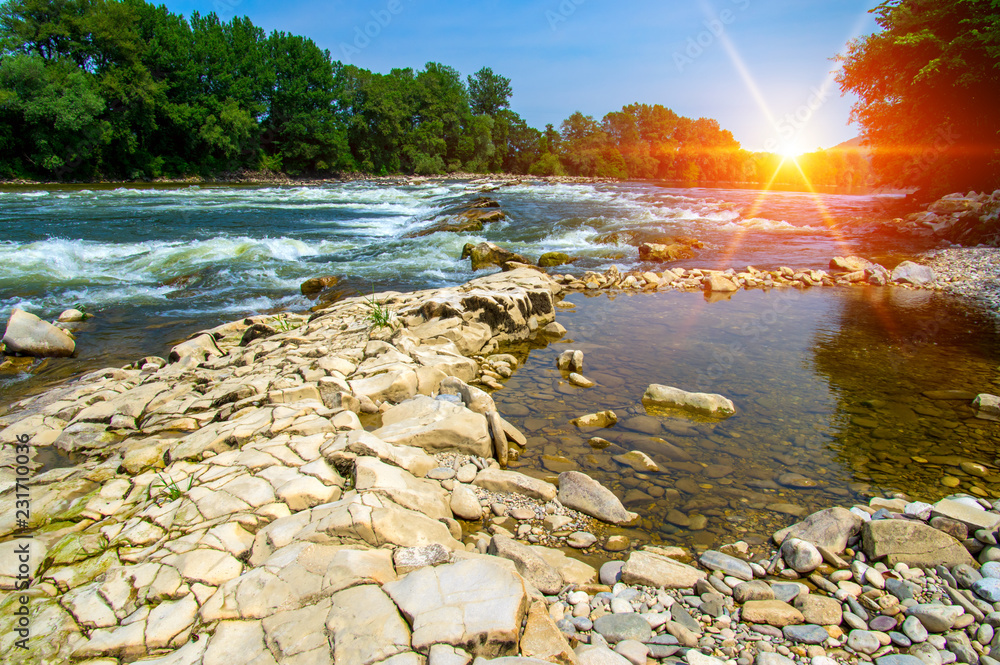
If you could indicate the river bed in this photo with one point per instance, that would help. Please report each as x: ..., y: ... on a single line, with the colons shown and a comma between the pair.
x: 834, y: 390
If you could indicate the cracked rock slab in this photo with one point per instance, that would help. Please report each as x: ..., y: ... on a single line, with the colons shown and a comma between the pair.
x: 475, y: 604
x: 366, y: 626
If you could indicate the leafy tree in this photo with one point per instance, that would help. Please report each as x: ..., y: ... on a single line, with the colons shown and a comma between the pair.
x: 523, y: 143
x: 301, y: 124
x: 56, y: 107
x: 489, y: 92
x: 928, y: 89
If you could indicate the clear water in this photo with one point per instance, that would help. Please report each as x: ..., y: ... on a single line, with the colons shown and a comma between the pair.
x: 828, y: 384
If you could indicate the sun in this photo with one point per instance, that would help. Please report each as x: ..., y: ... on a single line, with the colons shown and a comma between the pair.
x: 791, y: 151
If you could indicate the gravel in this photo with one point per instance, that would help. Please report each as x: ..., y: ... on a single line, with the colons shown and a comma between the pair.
x: 971, y: 272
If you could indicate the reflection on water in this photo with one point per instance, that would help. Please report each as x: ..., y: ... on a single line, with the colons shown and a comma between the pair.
x: 828, y: 385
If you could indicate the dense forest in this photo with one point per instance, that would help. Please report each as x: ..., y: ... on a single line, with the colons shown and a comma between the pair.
x: 122, y: 89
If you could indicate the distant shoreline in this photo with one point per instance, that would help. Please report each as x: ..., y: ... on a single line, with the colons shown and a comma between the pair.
x: 257, y: 178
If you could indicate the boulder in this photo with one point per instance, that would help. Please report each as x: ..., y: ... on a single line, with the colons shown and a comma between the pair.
x: 570, y: 361
x: 438, y: 426
x: 476, y: 604
x: 754, y: 590
x: 398, y: 384
x: 581, y: 492
x: 986, y: 404
x: 497, y: 480
x: 663, y: 252
x: 71, y: 316
x: 314, y: 285
x: 913, y: 543
x: 850, y: 264
x: 716, y: 283
x: 935, y: 618
x: 408, y: 559
x: 948, y: 205
x: 649, y: 569
x: 464, y: 503
x: 620, y: 627
x: 28, y: 335
x: 469, y: 221
x: 819, y: 610
x: 475, y: 399
x: 728, y: 564
x: 830, y: 528
x: 542, y: 639
x: 707, y: 403
x: 552, y: 259
x: 600, y: 419
x: 486, y: 254
x: 801, y: 555
x: 909, y: 272
x: 199, y: 348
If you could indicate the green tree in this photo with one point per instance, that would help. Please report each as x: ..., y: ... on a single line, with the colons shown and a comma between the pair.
x: 302, y: 129
x: 50, y: 115
x: 928, y: 88
x: 489, y: 92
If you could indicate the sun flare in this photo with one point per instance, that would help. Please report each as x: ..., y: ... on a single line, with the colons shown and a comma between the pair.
x: 791, y: 152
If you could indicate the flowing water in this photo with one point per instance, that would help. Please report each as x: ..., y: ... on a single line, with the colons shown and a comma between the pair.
x: 828, y: 382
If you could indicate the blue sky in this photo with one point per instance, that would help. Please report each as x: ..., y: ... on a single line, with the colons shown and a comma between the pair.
x: 757, y: 66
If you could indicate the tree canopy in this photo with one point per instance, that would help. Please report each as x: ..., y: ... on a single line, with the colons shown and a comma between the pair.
x: 928, y: 88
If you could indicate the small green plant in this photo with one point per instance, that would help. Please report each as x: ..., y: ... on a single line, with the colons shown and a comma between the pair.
x: 379, y: 314
x: 82, y: 309
x: 170, y: 491
x: 282, y: 323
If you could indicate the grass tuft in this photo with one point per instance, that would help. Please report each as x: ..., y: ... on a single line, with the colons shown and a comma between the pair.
x: 379, y: 314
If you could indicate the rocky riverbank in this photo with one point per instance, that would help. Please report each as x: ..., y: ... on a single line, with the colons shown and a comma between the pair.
x: 970, y: 272
x: 322, y: 488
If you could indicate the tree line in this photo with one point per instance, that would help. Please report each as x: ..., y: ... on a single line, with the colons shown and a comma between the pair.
x: 123, y: 89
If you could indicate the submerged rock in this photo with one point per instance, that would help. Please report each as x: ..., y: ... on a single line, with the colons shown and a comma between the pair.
x: 707, y: 403
x: 28, y: 335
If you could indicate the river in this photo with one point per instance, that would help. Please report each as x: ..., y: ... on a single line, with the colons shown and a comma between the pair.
x: 153, y: 264
x: 828, y: 382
